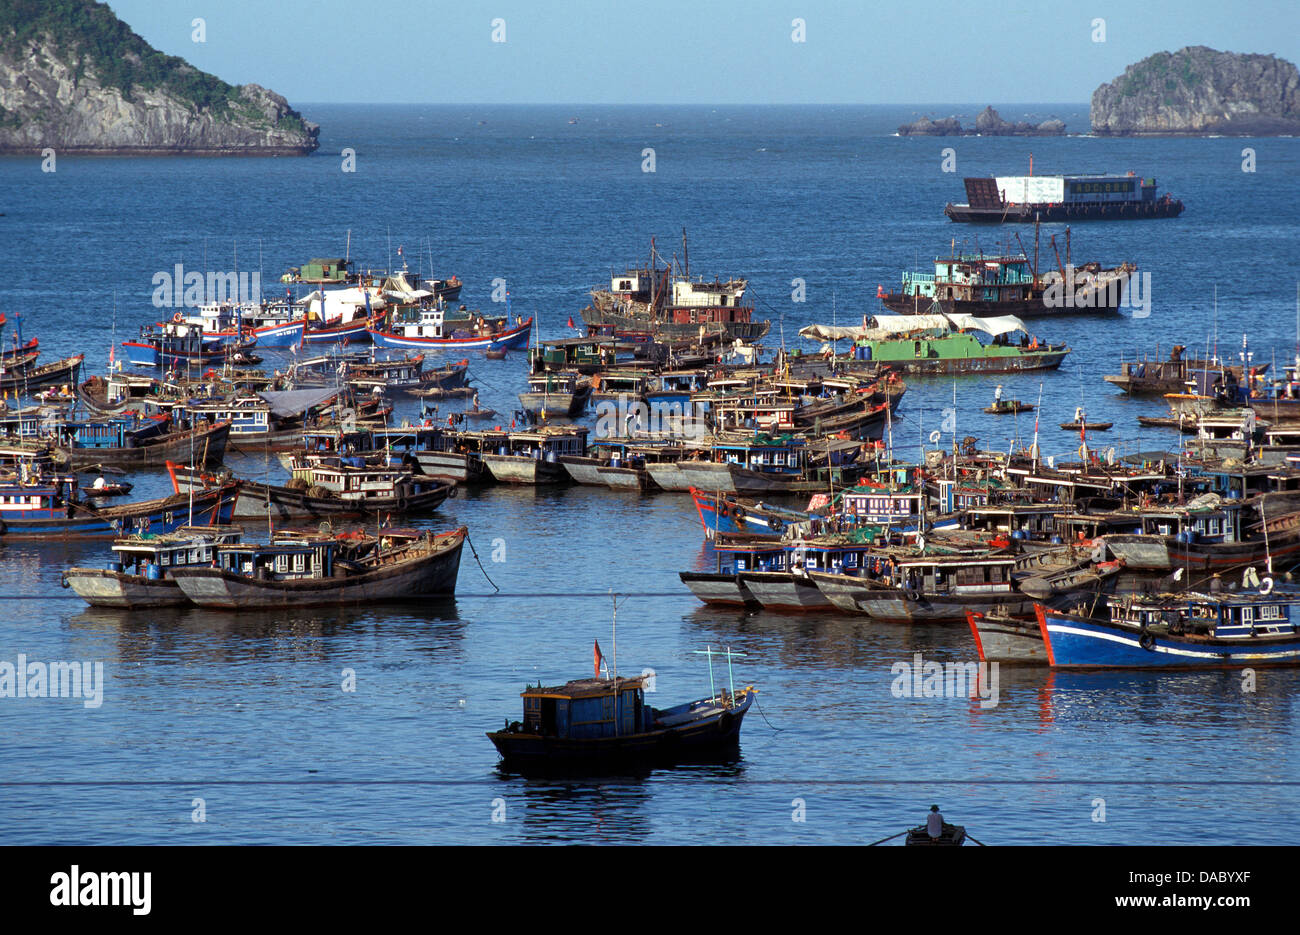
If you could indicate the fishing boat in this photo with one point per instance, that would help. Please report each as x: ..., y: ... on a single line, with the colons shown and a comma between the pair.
x: 19, y: 356
x: 431, y: 327
x: 1186, y: 631
x: 329, y: 494
x: 925, y: 588
x: 126, y: 443
x: 556, y: 394
x: 1148, y: 377
x: 735, y: 556
x: 532, y: 457
x: 299, y: 570
x: 606, y: 723
x: 946, y: 344
x: 656, y: 301
x: 1086, y: 426
x: 1208, y: 534
x: 139, y: 575
x: 1009, y: 283
x: 24, y: 379
x: 51, y: 507
x: 728, y: 513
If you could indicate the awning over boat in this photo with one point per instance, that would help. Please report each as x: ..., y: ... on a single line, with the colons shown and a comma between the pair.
x: 294, y: 402
x: 889, y: 326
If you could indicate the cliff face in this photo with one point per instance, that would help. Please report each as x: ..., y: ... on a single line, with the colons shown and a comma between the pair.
x: 1198, y: 90
x: 75, y: 78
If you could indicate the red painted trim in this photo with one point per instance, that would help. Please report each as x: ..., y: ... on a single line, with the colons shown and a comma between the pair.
x: 1042, y: 628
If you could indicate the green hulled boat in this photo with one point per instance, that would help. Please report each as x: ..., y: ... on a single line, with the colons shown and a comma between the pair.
x: 944, y: 343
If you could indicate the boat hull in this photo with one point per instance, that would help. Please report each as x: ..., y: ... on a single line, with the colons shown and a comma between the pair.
x: 719, y: 589
x: 1006, y: 640
x: 1048, y: 213
x: 100, y: 587
x: 785, y: 591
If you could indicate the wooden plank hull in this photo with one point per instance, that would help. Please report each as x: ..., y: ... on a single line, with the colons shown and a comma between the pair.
x: 100, y: 587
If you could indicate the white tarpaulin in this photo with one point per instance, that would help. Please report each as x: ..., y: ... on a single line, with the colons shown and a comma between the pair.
x: 889, y: 326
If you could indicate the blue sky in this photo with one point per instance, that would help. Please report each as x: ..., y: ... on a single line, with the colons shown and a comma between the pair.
x: 695, y: 51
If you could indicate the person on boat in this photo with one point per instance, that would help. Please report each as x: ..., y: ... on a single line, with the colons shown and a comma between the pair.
x: 997, y: 396
x: 934, y: 823
x: 475, y: 405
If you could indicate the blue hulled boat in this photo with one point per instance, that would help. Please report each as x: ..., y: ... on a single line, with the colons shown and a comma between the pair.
x: 1186, y: 631
x: 51, y: 507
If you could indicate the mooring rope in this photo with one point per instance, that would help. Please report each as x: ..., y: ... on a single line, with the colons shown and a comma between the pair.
x: 764, y: 716
x: 480, y: 563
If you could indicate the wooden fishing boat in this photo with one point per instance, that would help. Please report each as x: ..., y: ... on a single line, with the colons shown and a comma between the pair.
x: 140, y: 573
x: 51, y: 508
x: 313, y: 570
x: 1191, y: 630
x: 206, y: 443
x: 606, y: 723
x: 1087, y: 426
x: 57, y: 372
x: 19, y: 358
x: 336, y: 494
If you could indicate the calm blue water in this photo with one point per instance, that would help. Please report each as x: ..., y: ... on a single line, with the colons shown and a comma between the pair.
x: 247, y: 711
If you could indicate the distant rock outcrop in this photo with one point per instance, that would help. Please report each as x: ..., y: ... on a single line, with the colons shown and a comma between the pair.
x: 988, y: 123
x: 75, y: 78
x: 1200, y: 91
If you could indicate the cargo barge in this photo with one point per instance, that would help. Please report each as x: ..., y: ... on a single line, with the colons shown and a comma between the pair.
x: 1029, y: 198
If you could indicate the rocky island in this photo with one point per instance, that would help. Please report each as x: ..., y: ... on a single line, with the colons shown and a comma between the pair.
x: 1200, y: 91
x: 988, y: 123
x: 75, y: 78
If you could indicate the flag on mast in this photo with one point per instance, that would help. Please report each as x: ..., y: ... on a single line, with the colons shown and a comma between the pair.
x: 597, y: 658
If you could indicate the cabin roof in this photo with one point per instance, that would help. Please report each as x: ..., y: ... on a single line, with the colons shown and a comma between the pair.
x: 583, y: 688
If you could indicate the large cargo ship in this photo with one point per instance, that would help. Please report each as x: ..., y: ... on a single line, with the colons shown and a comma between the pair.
x: 1029, y: 198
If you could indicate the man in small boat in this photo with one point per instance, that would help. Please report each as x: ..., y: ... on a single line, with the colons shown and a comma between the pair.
x: 934, y: 823
x: 997, y: 396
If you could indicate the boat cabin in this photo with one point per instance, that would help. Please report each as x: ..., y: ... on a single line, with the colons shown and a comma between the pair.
x: 189, y: 545
x: 587, y: 709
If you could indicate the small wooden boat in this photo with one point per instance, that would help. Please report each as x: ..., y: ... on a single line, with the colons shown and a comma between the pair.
x: 606, y: 723
x: 495, y: 354
x: 1003, y: 406
x: 444, y: 392
x: 1087, y: 426
x: 479, y: 413
x: 55, y: 373
x: 206, y: 442
x: 952, y: 836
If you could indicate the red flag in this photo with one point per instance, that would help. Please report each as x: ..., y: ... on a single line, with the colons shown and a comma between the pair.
x: 596, y: 656
x: 571, y: 324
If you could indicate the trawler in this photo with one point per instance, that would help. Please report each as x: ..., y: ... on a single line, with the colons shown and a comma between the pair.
x: 668, y: 304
